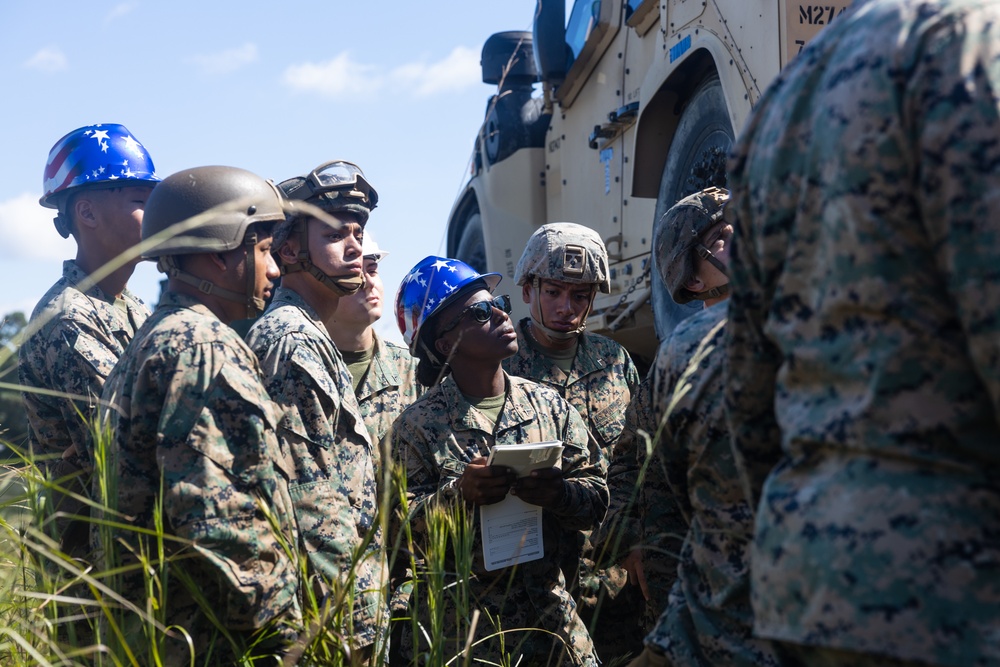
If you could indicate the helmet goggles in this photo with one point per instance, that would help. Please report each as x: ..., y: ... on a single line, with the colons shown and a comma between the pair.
x: 332, y: 180
x: 482, y: 311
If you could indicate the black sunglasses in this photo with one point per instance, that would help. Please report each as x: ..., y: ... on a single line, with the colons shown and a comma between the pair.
x: 482, y: 311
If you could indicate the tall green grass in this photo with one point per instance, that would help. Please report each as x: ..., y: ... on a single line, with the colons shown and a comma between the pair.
x: 56, y: 610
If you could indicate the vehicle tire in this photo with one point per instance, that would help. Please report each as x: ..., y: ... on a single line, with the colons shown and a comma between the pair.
x: 696, y: 160
x: 472, y: 247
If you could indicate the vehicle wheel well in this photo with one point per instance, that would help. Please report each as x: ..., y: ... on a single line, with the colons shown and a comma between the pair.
x: 696, y: 160
x: 660, y: 118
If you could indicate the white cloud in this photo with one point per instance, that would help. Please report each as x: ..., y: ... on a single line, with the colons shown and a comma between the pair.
x: 341, y: 76
x: 460, y: 69
x: 334, y: 78
x: 49, y: 59
x: 119, y: 10
x: 27, y: 232
x: 227, y: 61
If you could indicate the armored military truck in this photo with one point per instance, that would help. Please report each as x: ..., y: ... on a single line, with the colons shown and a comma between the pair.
x: 607, y: 119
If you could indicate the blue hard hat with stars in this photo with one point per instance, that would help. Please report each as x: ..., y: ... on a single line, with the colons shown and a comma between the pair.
x: 104, y: 155
x: 429, y: 287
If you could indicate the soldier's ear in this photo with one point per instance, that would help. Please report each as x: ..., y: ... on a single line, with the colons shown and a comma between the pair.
x: 287, y: 253
x: 694, y: 284
x: 526, y: 292
x: 218, y: 259
x: 443, y: 346
x: 85, y: 215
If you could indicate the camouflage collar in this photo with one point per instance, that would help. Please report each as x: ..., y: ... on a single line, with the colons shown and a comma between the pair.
x: 74, y: 275
x: 464, y: 417
x: 588, y: 359
x: 285, y: 296
x: 170, y: 299
x: 382, y: 374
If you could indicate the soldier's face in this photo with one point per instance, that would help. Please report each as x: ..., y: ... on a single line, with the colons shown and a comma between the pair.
x: 493, y: 340
x: 115, y: 216
x: 265, y: 269
x: 718, y: 240
x: 560, y: 305
x: 364, y: 307
x: 336, y: 251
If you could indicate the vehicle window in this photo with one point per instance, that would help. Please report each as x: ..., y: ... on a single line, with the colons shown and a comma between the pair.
x: 581, y: 22
x: 631, y: 7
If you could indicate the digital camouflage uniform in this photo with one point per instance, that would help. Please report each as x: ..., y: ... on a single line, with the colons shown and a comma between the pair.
x: 622, y: 530
x: 333, y: 486
x: 388, y: 387
x: 707, y: 620
x: 190, y: 416
x: 864, y: 335
x: 435, y: 438
x: 600, y: 385
x: 80, y: 338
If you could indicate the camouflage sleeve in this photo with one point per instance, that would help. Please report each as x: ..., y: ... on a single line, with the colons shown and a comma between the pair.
x: 953, y: 114
x: 662, y: 523
x: 620, y: 530
x: 79, y: 363
x: 298, y: 381
x: 632, y: 377
x: 585, y: 469
x: 425, y: 481
x: 752, y: 361
x: 664, y: 497
x: 217, y: 430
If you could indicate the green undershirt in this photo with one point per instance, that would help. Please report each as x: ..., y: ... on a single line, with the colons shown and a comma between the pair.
x: 489, y: 406
x: 358, y: 364
x: 561, y: 358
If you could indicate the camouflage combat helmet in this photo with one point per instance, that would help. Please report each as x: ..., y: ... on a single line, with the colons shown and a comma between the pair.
x: 209, y: 209
x: 333, y: 187
x: 677, y: 242
x: 565, y: 251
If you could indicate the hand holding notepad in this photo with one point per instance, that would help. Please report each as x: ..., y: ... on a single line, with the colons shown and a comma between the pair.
x: 512, y: 528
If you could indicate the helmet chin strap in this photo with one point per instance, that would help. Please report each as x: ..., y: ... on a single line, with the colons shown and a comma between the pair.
x: 254, y: 306
x: 341, y: 286
x: 536, y: 284
x: 61, y: 221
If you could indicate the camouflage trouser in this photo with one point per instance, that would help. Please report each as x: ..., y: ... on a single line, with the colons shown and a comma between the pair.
x: 66, y: 519
x: 70, y: 523
x: 509, y: 631
x: 799, y: 655
x: 613, y: 609
x: 611, y: 606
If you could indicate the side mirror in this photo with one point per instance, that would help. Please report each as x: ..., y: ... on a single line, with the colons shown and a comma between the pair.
x: 552, y: 55
x: 509, y: 57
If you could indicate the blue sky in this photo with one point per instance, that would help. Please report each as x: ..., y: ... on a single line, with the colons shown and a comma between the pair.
x: 276, y: 88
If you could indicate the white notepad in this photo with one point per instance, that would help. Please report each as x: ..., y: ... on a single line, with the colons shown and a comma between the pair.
x: 512, y: 528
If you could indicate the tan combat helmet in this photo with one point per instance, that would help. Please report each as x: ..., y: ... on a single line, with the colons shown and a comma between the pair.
x: 677, y: 241
x: 209, y: 209
x: 567, y: 252
x: 332, y: 187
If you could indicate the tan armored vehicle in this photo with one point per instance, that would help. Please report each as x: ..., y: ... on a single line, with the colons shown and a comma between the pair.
x: 607, y: 120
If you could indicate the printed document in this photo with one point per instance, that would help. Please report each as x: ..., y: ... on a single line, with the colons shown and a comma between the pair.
x: 512, y: 528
